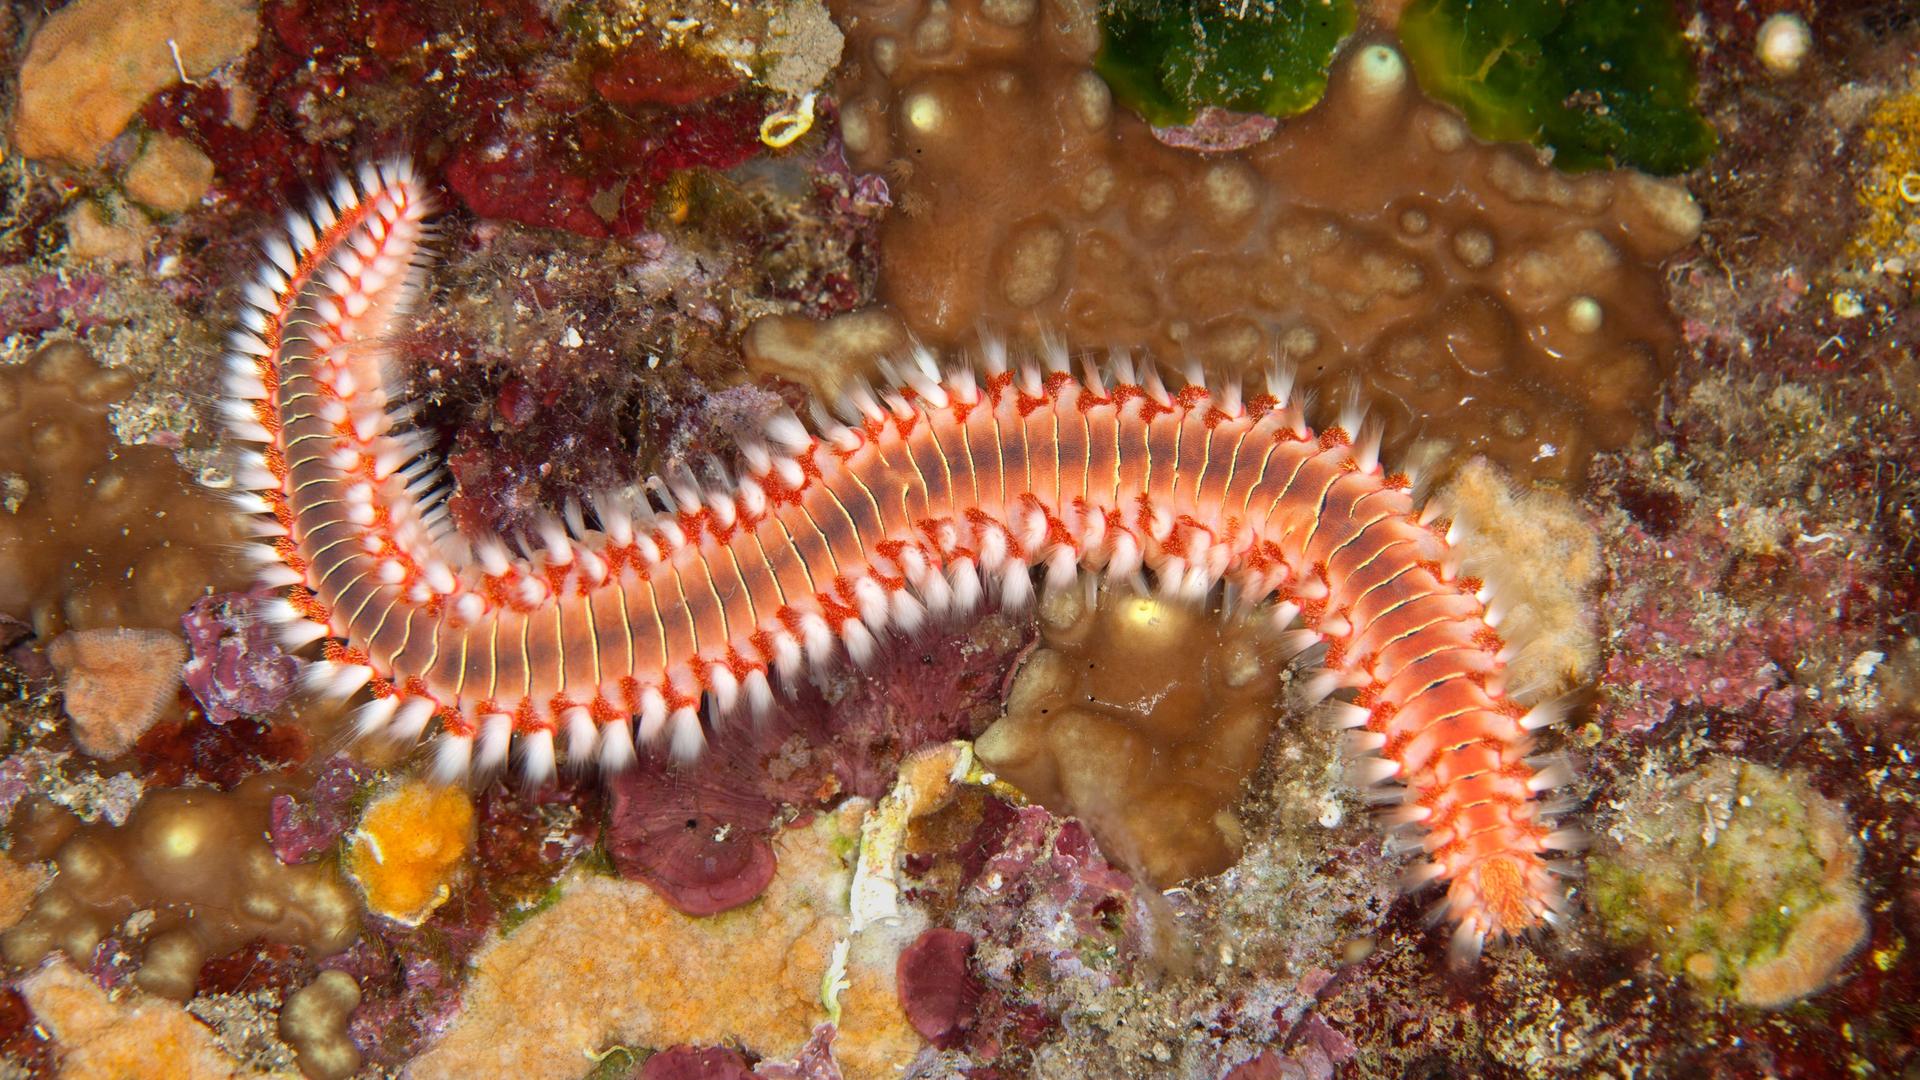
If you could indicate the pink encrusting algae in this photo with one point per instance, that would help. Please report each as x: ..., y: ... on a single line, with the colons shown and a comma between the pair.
x: 938, y: 493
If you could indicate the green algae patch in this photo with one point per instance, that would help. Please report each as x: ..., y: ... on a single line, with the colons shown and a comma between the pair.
x: 1604, y: 83
x: 1168, y: 59
x: 1741, y: 877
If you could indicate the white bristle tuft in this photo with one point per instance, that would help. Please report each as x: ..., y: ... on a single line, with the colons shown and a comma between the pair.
x: 496, y: 739
x: 582, y: 734
x: 452, y: 758
x: 1546, y: 714
x: 335, y: 680
x: 1468, y: 941
x: 907, y: 613
x: 411, y: 721
x: 1373, y: 771
x: 536, y: 756
x: 1345, y: 714
x: 300, y: 634
x: 966, y: 585
x: 1409, y: 814
x: 859, y: 642
x: 758, y: 692
x: 1569, y: 839
x: 372, y: 718
x: 1016, y: 586
x: 653, y: 715
x: 787, y: 656
x: 725, y: 688
x: 688, y: 738
x: 1552, y: 775
x: 278, y: 576
x: 616, y: 746
x: 1365, y: 742
x: 470, y: 608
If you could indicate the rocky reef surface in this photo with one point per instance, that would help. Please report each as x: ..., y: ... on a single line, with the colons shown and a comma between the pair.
x: 1675, y: 417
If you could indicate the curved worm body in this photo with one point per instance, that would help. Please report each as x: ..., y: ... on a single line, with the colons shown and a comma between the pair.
x: 942, y: 492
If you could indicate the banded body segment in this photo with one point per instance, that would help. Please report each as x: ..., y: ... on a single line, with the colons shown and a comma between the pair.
x: 673, y: 609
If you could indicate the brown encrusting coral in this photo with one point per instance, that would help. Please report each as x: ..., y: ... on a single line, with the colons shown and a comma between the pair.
x: 1474, y: 293
x: 188, y: 877
x: 1142, y: 717
x: 96, y: 535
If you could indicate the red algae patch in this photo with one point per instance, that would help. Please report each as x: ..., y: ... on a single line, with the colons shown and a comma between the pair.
x: 1143, y: 717
x: 116, y: 684
x: 1511, y: 309
x: 409, y: 848
x: 612, y: 963
x: 696, y: 1063
x: 937, y: 991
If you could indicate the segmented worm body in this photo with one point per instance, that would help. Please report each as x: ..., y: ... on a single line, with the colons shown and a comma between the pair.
x: 944, y: 490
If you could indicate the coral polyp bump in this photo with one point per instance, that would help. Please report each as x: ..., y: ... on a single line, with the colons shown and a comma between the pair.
x: 937, y: 494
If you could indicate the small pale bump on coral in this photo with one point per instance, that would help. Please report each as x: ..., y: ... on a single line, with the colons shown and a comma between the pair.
x: 409, y: 848
x: 108, y: 230
x: 314, y: 1022
x: 171, y: 175
x: 117, y: 684
x: 823, y: 356
x: 1782, y: 43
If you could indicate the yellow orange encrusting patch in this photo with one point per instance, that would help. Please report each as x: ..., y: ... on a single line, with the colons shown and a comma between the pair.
x: 409, y: 849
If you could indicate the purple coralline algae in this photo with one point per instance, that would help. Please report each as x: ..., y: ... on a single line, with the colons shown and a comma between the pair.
x: 237, y: 667
x: 695, y: 1063
x: 699, y: 834
x: 304, y: 829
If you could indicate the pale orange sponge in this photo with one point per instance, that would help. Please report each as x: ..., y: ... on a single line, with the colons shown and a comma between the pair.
x: 409, y: 848
x: 117, y: 684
